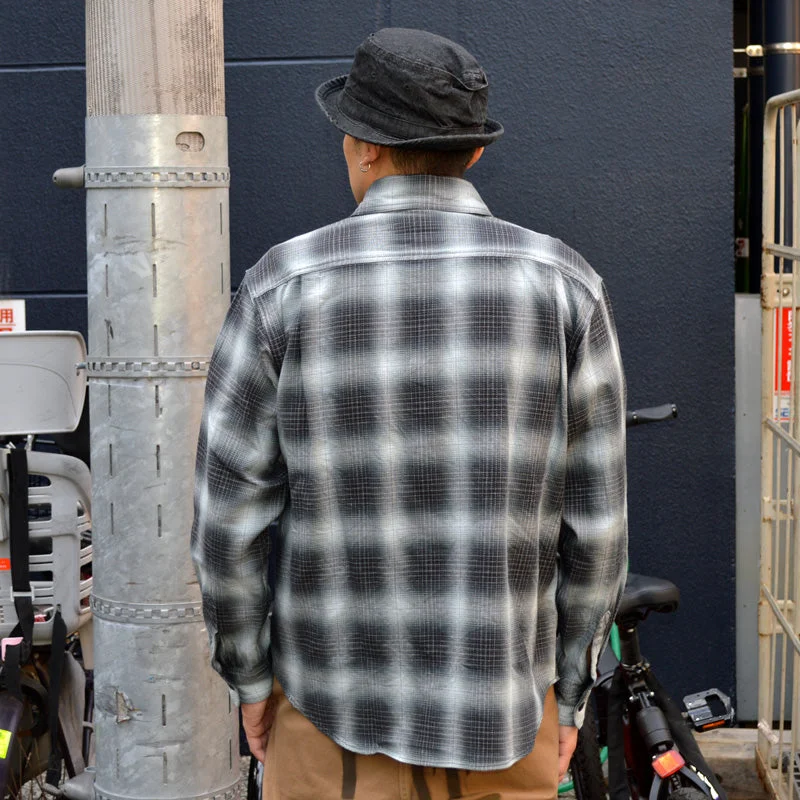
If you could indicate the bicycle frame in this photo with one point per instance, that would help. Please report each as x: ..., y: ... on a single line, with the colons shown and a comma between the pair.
x: 651, y: 731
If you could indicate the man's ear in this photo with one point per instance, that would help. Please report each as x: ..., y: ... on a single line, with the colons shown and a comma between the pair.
x: 369, y: 153
x: 475, y: 157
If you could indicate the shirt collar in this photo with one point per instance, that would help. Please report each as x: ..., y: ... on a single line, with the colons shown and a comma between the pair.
x: 430, y: 192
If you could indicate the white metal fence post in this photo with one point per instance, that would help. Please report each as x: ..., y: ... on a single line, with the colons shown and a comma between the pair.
x: 778, y: 624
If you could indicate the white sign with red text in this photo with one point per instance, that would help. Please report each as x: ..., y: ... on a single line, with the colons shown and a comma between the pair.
x: 782, y: 384
x: 12, y: 316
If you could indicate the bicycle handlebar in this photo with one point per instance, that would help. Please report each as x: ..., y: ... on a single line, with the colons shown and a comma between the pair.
x: 657, y: 414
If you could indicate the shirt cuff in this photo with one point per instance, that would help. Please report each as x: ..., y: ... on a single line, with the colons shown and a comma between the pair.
x: 251, y: 692
x: 572, y: 714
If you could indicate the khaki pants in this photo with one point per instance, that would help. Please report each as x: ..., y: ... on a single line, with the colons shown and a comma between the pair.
x: 304, y: 764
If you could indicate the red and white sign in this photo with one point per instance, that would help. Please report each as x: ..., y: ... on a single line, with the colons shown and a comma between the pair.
x: 782, y: 381
x: 742, y: 247
x: 12, y: 316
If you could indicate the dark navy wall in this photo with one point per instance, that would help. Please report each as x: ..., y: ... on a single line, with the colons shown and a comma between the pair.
x: 619, y: 120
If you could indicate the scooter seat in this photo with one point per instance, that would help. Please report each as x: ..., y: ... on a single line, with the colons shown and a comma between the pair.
x: 644, y: 594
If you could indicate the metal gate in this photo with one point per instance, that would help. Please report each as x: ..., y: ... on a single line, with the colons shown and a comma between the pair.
x: 778, y: 756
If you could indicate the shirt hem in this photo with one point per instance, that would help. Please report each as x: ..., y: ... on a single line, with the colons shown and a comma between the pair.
x: 440, y: 764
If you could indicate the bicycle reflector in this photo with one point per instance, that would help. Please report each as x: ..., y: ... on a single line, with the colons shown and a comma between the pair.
x: 668, y: 763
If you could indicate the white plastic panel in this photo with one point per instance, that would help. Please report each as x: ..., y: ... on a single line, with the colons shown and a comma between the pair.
x: 41, y: 390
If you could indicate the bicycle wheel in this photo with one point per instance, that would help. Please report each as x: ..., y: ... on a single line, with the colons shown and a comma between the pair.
x: 586, y: 768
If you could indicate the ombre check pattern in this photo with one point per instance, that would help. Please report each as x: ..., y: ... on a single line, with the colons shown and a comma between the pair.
x: 431, y: 403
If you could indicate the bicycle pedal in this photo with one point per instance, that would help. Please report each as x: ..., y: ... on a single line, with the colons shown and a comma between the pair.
x: 709, y: 709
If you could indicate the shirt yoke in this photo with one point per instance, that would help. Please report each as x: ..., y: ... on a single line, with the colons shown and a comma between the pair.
x: 360, y: 240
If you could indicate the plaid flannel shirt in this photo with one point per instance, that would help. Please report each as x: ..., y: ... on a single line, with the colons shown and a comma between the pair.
x: 431, y: 403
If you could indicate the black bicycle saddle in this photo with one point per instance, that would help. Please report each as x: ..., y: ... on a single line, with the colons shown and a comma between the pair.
x: 644, y: 594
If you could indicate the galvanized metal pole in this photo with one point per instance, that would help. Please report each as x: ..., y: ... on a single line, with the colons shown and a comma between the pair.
x: 158, y: 285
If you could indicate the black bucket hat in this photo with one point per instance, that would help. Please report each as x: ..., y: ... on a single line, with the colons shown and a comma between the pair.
x: 411, y: 89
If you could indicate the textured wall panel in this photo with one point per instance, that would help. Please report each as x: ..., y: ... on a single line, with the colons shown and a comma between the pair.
x: 42, y: 32
x: 287, y: 170
x: 258, y: 29
x: 42, y: 240
x: 54, y: 313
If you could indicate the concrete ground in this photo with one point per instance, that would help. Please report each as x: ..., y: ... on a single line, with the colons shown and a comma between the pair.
x: 730, y: 752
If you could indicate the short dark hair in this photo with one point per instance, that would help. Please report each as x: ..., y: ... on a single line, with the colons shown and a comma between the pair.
x: 446, y: 163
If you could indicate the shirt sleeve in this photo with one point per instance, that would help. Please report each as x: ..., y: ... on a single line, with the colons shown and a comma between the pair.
x: 594, y: 530
x: 240, y: 489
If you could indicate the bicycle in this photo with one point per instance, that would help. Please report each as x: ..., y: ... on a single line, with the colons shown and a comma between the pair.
x: 651, y: 750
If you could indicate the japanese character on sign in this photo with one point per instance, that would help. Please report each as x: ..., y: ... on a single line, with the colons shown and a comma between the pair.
x: 12, y: 315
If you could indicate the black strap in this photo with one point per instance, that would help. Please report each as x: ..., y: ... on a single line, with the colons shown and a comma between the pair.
x: 11, y: 671
x: 57, y: 649
x: 17, y: 655
x: 418, y: 776
x: 348, y: 774
x: 453, y: 784
x: 19, y: 544
x: 617, y: 777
